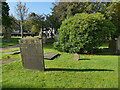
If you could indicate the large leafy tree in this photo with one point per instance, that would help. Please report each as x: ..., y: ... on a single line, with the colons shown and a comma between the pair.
x: 6, y: 21
x: 84, y: 32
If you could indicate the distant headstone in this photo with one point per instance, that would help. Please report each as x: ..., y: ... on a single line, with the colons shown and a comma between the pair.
x: 76, y: 56
x: 44, y: 37
x: 32, y: 53
x: 56, y: 36
x: 114, y: 46
x: 118, y: 46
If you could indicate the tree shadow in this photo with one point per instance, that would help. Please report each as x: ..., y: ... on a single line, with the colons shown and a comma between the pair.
x: 77, y: 70
x: 104, y: 51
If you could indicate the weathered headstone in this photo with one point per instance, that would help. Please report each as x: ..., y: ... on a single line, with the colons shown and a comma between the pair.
x: 76, y: 56
x: 44, y: 38
x: 118, y: 46
x: 114, y: 46
x: 56, y: 36
x: 32, y: 53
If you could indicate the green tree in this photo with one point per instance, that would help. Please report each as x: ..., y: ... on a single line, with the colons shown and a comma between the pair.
x: 112, y: 12
x: 6, y: 22
x: 84, y: 32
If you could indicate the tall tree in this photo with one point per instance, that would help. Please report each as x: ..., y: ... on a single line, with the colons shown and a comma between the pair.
x: 21, y: 11
x: 6, y: 21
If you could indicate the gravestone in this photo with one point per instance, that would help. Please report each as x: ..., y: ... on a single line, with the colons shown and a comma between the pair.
x: 44, y: 38
x: 32, y: 53
x: 56, y: 36
x: 76, y: 56
x: 118, y: 45
x: 114, y: 46
x: 50, y: 56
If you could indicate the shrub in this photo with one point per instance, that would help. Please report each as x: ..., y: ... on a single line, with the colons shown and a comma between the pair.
x: 83, y: 32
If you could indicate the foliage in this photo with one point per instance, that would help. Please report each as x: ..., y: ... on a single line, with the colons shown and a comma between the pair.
x: 52, y: 22
x: 6, y: 22
x: 5, y: 15
x: 83, y: 32
x: 112, y: 12
x: 63, y: 10
x: 15, y: 25
x: 34, y: 23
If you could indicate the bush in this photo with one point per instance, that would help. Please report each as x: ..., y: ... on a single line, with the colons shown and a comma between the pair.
x: 83, y: 32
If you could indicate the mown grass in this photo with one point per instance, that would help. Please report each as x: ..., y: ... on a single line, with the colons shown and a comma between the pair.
x: 14, y: 41
x: 92, y: 71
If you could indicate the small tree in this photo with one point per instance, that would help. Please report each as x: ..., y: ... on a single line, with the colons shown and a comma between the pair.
x: 21, y: 11
x: 83, y: 32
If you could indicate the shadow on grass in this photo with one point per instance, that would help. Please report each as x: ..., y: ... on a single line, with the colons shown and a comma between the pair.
x: 84, y: 59
x: 81, y: 70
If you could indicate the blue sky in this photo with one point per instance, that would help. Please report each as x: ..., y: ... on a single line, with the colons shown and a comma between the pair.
x: 36, y: 7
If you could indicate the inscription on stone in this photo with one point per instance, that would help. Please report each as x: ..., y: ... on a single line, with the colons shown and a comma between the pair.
x: 32, y: 53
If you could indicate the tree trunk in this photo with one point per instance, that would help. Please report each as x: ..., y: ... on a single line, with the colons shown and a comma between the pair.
x: 21, y: 30
x: 21, y: 27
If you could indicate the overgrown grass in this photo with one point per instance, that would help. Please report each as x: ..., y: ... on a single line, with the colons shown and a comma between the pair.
x: 92, y: 71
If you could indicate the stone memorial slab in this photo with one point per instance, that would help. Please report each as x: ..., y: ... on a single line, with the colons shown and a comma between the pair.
x: 50, y: 56
x: 32, y: 53
x: 76, y: 56
x: 118, y: 45
x: 44, y: 37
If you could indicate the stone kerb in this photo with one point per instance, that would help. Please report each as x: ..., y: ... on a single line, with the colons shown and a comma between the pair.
x: 32, y: 53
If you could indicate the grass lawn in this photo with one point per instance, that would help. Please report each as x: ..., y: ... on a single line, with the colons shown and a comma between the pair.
x: 14, y: 41
x: 92, y: 71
